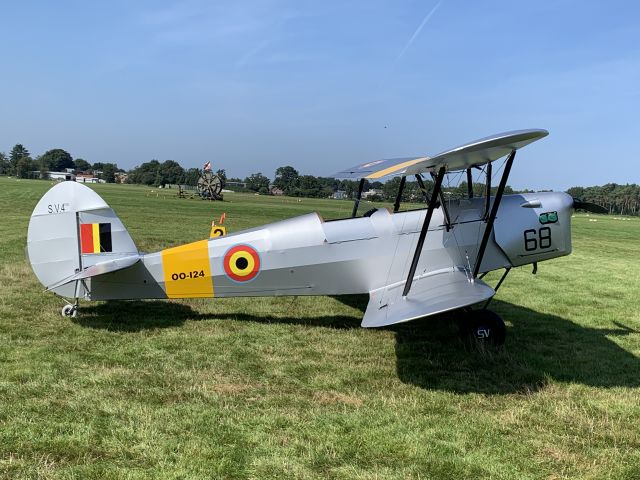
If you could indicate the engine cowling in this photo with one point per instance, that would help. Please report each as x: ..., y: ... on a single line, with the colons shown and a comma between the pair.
x: 534, y: 227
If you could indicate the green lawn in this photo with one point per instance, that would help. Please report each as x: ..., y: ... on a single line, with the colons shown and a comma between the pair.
x: 293, y: 388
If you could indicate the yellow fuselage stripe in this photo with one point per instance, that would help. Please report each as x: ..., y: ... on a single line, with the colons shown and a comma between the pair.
x: 187, y: 271
x: 395, y: 168
x: 95, y: 230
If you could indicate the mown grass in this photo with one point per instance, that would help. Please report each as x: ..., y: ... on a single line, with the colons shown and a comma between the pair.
x: 293, y: 388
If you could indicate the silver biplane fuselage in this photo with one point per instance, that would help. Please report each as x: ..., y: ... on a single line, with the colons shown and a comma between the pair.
x: 307, y: 256
x: 381, y: 254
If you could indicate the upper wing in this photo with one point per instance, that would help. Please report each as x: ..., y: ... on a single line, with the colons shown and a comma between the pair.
x: 379, y: 168
x: 468, y: 155
x: 435, y: 293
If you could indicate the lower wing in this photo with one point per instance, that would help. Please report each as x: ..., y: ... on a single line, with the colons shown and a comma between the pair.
x: 434, y: 293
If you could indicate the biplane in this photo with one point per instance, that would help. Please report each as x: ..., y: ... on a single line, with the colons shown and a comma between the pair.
x: 412, y: 264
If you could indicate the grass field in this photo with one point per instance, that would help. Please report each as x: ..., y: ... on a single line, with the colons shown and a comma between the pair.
x: 293, y: 388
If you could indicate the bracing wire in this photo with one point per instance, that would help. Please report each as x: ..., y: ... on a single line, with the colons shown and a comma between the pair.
x: 456, y: 181
x: 495, y: 173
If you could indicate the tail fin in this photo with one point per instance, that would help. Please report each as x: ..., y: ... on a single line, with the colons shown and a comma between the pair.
x: 71, y: 229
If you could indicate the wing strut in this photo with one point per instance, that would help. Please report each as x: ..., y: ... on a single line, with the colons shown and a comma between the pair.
x: 423, y: 232
x: 469, y: 183
x: 495, y: 289
x: 494, y: 209
x: 422, y: 187
x: 443, y: 204
x: 487, y: 193
x: 358, y: 197
x: 396, y: 204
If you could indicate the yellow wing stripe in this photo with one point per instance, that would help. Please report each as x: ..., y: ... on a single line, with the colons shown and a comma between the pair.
x: 395, y: 168
x: 187, y: 271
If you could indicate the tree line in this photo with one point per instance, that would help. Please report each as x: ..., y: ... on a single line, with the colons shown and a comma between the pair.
x: 20, y: 163
x: 618, y: 199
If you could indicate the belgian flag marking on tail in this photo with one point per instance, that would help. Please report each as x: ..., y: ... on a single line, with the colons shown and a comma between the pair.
x: 95, y: 237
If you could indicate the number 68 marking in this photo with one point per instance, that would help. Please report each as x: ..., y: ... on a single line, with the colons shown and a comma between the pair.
x: 537, y: 239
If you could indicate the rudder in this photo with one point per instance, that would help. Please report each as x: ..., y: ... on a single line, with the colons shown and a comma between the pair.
x: 71, y: 229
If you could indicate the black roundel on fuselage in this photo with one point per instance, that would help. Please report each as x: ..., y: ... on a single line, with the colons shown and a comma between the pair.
x: 242, y: 263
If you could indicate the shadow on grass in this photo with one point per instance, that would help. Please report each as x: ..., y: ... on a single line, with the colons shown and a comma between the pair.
x: 539, y: 348
x: 138, y: 315
x: 133, y: 316
x: 430, y: 353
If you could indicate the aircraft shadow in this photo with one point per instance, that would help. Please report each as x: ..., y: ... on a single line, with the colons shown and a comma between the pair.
x: 138, y: 315
x: 429, y: 352
x: 133, y: 316
x: 539, y: 348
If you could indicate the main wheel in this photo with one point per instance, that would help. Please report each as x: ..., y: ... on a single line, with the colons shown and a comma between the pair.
x: 484, y: 327
x: 69, y: 311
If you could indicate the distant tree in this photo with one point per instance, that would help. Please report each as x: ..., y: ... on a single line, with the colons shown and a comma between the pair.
x: 618, y: 199
x: 576, y: 192
x: 415, y: 192
x: 43, y: 166
x: 167, y: 172
x: 17, y: 152
x: 350, y: 188
x: 328, y: 186
x: 57, y: 159
x: 410, y: 193
x: 257, y: 182
x: 479, y: 189
x: 5, y: 166
x: 222, y: 173
x: 145, y: 174
x: 24, y: 167
x: 109, y: 172
x: 170, y: 172
x: 98, y: 166
x: 308, y: 186
x: 191, y: 177
x: 286, y: 179
x: 390, y: 189
x: 81, y: 165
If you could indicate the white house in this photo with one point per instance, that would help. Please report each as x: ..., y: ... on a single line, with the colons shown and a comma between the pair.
x: 339, y: 194
x: 62, y: 176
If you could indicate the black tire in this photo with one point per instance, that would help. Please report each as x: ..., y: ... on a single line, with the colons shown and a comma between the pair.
x: 484, y: 327
x: 69, y: 311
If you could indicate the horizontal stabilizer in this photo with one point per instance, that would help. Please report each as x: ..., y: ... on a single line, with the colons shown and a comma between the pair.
x: 435, y: 293
x: 99, y: 269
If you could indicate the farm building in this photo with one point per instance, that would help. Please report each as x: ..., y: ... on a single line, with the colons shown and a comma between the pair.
x: 61, y: 176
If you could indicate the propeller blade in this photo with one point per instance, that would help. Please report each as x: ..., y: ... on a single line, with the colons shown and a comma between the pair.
x: 588, y: 206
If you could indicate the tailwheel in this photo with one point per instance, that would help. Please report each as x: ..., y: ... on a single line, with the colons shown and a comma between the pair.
x: 484, y: 327
x: 69, y: 311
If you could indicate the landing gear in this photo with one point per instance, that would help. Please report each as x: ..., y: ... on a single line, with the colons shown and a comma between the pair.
x: 70, y: 311
x: 483, y: 327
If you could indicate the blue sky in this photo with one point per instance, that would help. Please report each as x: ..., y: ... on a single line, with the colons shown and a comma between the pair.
x: 324, y: 85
